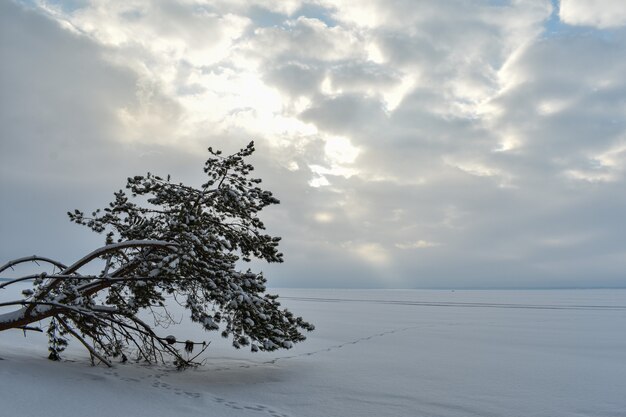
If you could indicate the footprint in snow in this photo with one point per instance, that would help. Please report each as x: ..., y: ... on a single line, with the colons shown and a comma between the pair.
x: 254, y: 407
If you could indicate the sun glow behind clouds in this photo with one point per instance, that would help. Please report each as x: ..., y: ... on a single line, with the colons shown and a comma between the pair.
x: 508, y: 143
x: 323, y: 217
x: 340, y: 156
x: 550, y: 107
x: 418, y: 244
x: 373, y: 253
x: 339, y: 150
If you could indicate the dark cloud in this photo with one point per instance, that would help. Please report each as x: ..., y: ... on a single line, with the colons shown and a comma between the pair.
x: 61, y: 135
x: 346, y: 113
x: 295, y: 79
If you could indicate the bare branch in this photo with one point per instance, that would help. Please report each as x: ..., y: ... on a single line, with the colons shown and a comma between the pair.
x: 90, y: 278
x: 13, y: 281
x: 115, y: 247
x: 33, y: 258
x: 96, y: 254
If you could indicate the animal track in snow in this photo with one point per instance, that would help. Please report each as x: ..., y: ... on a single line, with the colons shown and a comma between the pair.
x: 315, y: 352
x: 158, y: 382
x: 341, y: 345
x: 256, y: 407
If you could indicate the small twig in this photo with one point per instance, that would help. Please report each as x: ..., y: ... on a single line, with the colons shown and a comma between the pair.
x: 107, y: 266
x: 34, y: 329
x: 204, y: 347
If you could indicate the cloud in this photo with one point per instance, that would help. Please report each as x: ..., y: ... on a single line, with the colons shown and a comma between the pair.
x: 63, y: 138
x: 412, y: 143
x: 597, y: 13
x: 563, y: 111
x: 418, y: 244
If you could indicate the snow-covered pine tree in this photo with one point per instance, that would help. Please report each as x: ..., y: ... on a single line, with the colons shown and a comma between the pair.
x: 183, y: 243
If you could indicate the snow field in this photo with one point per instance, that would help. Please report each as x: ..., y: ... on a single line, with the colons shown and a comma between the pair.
x: 374, y: 353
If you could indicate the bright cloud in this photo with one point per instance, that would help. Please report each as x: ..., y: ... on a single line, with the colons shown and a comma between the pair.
x: 418, y: 244
x: 598, y: 13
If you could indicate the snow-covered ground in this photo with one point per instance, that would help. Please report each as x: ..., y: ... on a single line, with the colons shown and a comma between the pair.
x: 374, y: 353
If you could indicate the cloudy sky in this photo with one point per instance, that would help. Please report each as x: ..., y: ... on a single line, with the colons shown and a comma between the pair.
x: 412, y: 143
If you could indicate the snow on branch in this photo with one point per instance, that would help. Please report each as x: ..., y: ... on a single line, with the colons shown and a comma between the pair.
x: 114, y: 247
x: 33, y: 258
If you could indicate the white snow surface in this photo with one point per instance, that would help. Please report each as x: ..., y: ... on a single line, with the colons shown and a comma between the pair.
x: 374, y: 353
